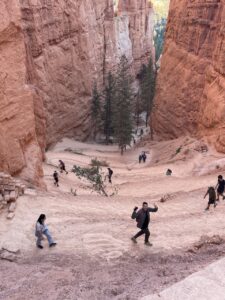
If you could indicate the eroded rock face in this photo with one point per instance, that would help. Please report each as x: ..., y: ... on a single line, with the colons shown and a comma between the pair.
x: 20, y: 130
x: 190, y: 96
x: 71, y: 43
x: 50, y: 53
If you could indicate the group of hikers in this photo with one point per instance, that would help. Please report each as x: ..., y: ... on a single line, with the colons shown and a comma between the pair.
x: 215, y: 193
x: 142, y: 157
x: 142, y: 216
x: 62, y: 168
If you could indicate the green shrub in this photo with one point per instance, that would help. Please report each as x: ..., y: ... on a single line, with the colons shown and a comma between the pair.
x: 98, y: 163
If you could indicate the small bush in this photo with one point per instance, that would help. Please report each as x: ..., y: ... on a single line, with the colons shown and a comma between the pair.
x: 93, y: 175
x: 98, y: 163
x: 178, y: 150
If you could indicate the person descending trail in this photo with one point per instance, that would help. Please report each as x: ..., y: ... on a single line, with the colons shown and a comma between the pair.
x: 110, y: 175
x: 62, y: 167
x: 42, y: 229
x: 142, y: 217
x: 220, y: 187
x: 140, y: 158
x: 144, y: 157
x: 212, y: 197
x: 56, y: 178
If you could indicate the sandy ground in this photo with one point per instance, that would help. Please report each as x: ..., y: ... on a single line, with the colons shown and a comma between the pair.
x: 94, y: 258
x: 207, y: 284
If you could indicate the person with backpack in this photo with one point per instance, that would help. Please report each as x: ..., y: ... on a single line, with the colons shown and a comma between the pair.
x: 142, y: 217
x: 212, y: 197
x: 42, y: 229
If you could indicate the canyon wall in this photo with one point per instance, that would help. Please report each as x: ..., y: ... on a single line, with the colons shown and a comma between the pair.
x: 71, y: 43
x: 51, y: 52
x: 190, y: 94
x: 21, y: 114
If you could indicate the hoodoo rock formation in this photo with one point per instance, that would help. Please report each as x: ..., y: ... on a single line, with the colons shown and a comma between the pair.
x: 50, y: 53
x: 190, y: 96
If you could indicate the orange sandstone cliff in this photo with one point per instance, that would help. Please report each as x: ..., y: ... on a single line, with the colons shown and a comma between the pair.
x: 51, y: 52
x: 190, y: 94
x: 22, y: 125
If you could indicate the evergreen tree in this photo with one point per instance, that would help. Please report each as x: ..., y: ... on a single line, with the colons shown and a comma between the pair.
x: 122, y: 117
x: 138, y: 109
x: 159, y: 33
x: 147, y: 86
x: 109, y: 95
x: 95, y: 110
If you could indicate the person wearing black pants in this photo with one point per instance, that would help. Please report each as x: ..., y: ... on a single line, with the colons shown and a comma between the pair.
x: 142, y: 217
x: 110, y: 175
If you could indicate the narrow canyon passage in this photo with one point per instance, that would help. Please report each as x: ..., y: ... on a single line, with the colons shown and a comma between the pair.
x: 84, y: 81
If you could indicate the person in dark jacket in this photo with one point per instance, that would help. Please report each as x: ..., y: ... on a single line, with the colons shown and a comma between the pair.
x: 144, y: 157
x: 62, y: 167
x: 110, y: 173
x: 142, y: 217
x: 212, y: 197
x: 56, y: 178
x: 220, y: 187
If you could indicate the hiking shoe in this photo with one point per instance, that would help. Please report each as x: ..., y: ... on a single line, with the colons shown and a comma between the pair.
x: 148, y: 244
x: 134, y: 240
x: 40, y: 247
x: 52, y: 245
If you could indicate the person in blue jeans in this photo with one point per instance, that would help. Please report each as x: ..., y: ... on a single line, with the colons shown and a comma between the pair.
x: 42, y: 229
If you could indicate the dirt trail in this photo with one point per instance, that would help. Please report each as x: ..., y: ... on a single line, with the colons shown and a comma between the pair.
x: 94, y: 258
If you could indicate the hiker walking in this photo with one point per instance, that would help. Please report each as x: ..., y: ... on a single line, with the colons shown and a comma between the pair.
x: 140, y: 158
x: 42, y: 229
x: 56, y: 178
x: 110, y: 175
x: 144, y: 157
x: 142, y: 217
x: 212, y: 197
x: 220, y: 187
x: 62, y: 167
x: 168, y: 172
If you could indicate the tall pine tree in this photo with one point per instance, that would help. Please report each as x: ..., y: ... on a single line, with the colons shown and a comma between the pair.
x: 147, y: 87
x: 95, y: 110
x: 109, y: 96
x: 122, y: 106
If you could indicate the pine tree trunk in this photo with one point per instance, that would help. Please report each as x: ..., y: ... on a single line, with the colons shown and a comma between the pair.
x: 121, y: 150
x: 151, y: 129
